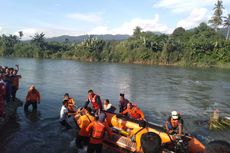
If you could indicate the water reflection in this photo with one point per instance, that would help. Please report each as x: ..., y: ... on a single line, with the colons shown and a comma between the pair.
x: 33, y: 116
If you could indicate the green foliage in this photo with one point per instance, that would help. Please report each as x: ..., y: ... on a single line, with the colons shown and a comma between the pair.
x: 199, y: 46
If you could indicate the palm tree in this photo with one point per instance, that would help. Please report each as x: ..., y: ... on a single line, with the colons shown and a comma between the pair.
x: 216, y: 20
x: 227, y: 24
x: 20, y: 34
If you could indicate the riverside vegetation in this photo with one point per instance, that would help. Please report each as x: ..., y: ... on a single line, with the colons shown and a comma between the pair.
x: 201, y: 46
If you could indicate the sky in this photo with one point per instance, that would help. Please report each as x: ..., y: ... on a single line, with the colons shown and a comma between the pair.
x: 78, y: 17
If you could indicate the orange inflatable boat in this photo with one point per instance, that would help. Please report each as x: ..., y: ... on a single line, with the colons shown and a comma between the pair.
x: 127, y: 136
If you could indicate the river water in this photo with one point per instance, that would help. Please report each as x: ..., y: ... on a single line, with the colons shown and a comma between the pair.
x: 157, y: 90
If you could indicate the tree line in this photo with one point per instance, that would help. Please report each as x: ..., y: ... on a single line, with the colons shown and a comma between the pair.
x: 201, y: 46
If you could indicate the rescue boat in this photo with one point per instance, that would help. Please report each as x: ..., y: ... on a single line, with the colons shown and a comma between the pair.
x: 127, y: 136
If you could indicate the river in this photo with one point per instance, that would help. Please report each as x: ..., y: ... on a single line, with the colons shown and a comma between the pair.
x: 157, y: 90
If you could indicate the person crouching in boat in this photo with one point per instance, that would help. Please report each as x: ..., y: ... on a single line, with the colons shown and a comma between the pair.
x: 64, y: 115
x: 108, y: 106
x: 32, y: 98
x: 84, y: 120
x: 95, y: 100
x: 71, y: 103
x: 97, y: 129
x: 133, y: 112
x: 174, y: 124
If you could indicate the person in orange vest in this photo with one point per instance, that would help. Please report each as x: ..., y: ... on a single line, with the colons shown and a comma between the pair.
x: 174, y: 124
x: 15, y: 83
x: 133, y: 112
x: 2, y: 96
x: 32, y: 98
x: 84, y: 120
x: 97, y: 129
x: 95, y: 100
x: 71, y: 103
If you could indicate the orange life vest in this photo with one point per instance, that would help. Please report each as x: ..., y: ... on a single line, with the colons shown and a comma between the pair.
x: 134, y: 113
x: 15, y: 81
x: 33, y: 96
x: 94, y: 102
x: 98, y: 130
x: 85, y: 121
x: 71, y: 104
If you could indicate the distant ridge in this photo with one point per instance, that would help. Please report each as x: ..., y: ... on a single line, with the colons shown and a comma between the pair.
x: 63, y: 38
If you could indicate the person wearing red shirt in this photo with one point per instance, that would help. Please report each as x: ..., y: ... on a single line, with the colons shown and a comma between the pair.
x: 32, y: 98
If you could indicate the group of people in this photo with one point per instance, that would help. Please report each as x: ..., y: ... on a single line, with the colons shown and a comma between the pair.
x: 9, y: 85
x: 91, y: 121
x: 92, y: 124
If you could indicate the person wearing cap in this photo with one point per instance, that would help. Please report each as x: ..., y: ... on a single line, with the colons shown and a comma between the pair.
x: 97, y: 129
x: 123, y: 102
x: 32, y: 98
x: 133, y: 112
x: 174, y: 124
x: 71, y: 103
x: 95, y: 100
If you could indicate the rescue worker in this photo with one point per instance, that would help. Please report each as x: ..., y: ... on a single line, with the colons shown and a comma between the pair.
x: 108, y: 106
x: 64, y: 115
x: 32, y: 98
x: 133, y: 112
x: 15, y: 84
x: 2, y: 96
x: 97, y: 129
x: 8, y: 81
x: 123, y: 102
x: 71, y: 103
x: 84, y: 120
x: 95, y: 100
x: 174, y: 124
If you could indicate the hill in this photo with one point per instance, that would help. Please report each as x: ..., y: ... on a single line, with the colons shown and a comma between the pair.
x: 83, y: 37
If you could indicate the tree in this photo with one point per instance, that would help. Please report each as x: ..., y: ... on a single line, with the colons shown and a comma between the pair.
x: 39, y: 40
x: 137, y: 32
x: 178, y: 32
x: 216, y: 19
x: 20, y: 34
x: 227, y: 24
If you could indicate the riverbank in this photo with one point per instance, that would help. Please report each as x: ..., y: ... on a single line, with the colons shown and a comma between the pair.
x: 177, y: 64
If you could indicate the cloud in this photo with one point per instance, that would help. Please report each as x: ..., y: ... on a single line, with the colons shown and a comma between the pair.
x: 197, y: 16
x: 0, y: 28
x: 128, y: 26
x: 179, y: 6
x: 89, y: 17
x: 28, y: 33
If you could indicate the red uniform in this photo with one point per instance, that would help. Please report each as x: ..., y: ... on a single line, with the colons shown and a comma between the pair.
x: 2, y: 98
x: 134, y: 112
